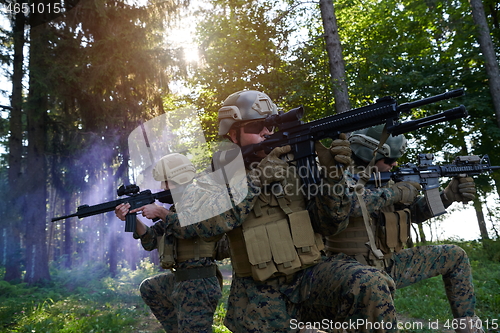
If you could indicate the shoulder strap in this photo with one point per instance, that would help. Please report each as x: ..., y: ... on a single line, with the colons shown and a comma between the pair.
x: 369, y: 230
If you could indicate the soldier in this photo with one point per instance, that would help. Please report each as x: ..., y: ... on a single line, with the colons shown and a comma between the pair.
x: 186, y: 300
x: 281, y: 282
x: 387, y: 231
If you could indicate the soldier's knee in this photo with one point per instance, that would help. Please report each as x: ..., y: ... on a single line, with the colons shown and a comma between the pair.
x: 375, y: 281
x: 145, y: 286
x: 457, y: 251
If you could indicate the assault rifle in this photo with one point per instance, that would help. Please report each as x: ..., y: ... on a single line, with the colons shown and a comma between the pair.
x: 134, y: 197
x: 427, y: 174
x: 302, y: 136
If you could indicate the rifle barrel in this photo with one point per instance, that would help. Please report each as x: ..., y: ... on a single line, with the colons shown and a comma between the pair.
x: 54, y: 219
x: 405, y: 107
x: 451, y: 114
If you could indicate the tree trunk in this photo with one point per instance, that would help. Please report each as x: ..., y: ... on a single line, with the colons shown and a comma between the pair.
x: 488, y: 50
x: 68, y: 235
x: 335, y: 59
x: 37, y: 266
x: 423, y: 240
x: 113, y: 253
x: 13, y: 248
x: 480, y: 219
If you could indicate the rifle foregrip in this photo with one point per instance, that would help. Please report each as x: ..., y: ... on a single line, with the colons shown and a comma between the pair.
x: 130, y: 219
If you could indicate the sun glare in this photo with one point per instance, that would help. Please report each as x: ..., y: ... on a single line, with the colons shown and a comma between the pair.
x: 191, y: 54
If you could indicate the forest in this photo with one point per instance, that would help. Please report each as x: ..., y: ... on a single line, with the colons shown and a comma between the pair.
x: 82, y: 75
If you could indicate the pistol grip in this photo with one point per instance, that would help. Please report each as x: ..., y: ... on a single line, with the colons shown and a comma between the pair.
x: 130, y: 222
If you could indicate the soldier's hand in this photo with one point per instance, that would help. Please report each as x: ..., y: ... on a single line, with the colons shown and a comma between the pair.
x: 122, y: 210
x: 460, y: 189
x: 152, y: 211
x: 271, y: 168
x: 338, y: 155
x: 406, y: 192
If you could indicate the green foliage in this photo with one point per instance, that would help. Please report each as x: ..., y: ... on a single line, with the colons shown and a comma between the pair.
x: 243, y: 45
x: 492, y: 249
x: 220, y: 312
x: 81, y: 300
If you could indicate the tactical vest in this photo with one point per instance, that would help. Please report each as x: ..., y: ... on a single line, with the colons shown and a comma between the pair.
x: 276, y: 238
x: 390, y: 230
x: 174, y: 250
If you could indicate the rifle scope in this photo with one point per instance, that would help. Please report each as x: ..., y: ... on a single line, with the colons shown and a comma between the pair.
x: 127, y: 190
x: 285, y: 117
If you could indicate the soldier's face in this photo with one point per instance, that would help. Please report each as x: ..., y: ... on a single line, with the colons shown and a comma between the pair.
x: 246, y: 138
x: 384, y: 165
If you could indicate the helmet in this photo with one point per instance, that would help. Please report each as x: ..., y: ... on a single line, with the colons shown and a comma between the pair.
x: 174, y: 167
x: 365, y: 141
x: 244, y: 105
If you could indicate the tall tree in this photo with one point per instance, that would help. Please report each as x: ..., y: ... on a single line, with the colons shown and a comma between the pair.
x: 37, y: 267
x: 490, y: 56
x: 13, y: 267
x: 335, y: 57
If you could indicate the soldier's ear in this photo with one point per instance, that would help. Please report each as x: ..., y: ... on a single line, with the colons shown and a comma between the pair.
x: 233, y: 135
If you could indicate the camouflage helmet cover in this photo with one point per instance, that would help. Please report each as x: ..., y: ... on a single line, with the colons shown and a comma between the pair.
x: 242, y: 106
x: 365, y: 141
x: 174, y: 167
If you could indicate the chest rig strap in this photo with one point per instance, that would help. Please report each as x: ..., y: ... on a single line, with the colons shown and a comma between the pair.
x: 364, y: 177
x: 371, y: 236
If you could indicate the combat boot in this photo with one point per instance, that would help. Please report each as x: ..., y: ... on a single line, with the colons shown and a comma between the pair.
x: 468, y: 325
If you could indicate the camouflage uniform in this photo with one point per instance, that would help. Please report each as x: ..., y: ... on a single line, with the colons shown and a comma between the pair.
x: 339, y: 289
x: 410, y: 265
x: 186, y: 304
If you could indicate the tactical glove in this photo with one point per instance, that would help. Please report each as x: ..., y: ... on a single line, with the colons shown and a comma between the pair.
x: 406, y: 192
x: 460, y: 189
x: 271, y: 169
x: 338, y: 155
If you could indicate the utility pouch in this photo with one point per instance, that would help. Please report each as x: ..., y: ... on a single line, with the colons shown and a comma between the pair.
x: 393, y: 230
x: 166, y: 251
x: 259, y: 252
x: 307, y: 243
x: 239, y: 254
x: 282, y: 248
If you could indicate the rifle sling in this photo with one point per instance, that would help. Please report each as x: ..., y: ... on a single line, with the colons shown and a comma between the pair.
x: 366, y: 219
x: 364, y: 177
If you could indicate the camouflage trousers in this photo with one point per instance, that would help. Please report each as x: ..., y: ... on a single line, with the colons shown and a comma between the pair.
x: 450, y: 261
x: 336, y: 294
x: 186, y: 306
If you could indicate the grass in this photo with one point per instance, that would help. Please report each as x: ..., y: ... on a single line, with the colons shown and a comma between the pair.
x: 88, y: 300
